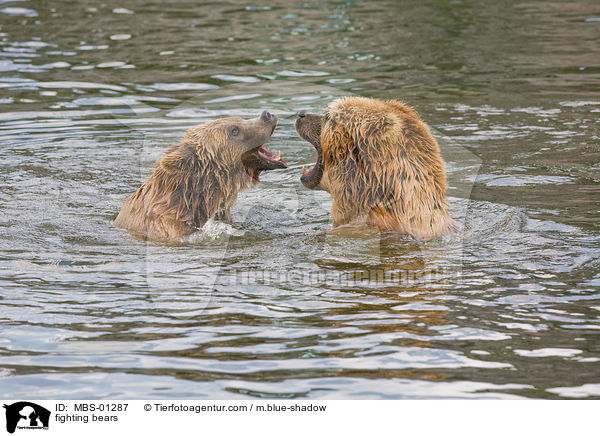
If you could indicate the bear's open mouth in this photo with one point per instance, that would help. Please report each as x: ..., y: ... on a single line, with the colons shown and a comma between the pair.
x: 260, y: 159
x: 309, y: 127
x: 311, y: 178
x: 273, y: 159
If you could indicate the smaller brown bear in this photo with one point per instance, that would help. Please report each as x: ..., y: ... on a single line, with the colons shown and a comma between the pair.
x: 380, y: 164
x: 200, y: 178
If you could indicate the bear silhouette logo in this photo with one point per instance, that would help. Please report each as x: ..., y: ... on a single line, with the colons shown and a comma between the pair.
x: 24, y: 414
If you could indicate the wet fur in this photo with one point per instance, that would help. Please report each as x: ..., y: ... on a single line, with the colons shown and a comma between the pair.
x: 190, y: 185
x: 383, y: 168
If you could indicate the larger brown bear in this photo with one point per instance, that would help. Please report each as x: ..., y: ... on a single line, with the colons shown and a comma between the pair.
x: 200, y: 178
x: 380, y: 164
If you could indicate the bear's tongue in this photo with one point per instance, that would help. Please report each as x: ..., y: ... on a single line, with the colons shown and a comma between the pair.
x: 273, y: 159
x: 259, y: 159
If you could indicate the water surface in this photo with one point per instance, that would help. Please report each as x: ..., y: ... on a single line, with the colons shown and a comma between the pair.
x: 276, y: 305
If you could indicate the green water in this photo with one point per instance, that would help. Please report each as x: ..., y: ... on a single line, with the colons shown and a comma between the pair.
x: 275, y: 305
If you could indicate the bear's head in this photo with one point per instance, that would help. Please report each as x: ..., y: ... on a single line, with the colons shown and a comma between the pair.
x: 231, y: 142
x: 348, y: 137
x: 380, y: 163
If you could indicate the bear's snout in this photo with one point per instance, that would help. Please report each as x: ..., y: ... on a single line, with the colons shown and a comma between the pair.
x: 301, y: 114
x: 267, y: 116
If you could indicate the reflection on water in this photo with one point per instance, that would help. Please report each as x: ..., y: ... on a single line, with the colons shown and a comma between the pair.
x: 275, y: 305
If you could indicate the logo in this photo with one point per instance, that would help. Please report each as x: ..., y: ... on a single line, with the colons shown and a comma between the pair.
x: 26, y: 415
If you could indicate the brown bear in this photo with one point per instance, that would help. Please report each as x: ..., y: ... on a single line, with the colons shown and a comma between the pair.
x: 381, y: 165
x: 200, y: 178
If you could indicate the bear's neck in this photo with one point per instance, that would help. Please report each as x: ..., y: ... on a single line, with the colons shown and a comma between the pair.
x: 204, y: 189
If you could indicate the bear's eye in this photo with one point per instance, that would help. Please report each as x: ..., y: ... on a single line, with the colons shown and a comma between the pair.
x: 235, y: 130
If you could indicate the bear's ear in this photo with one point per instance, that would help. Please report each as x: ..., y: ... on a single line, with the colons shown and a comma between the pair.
x: 368, y: 131
x: 207, y: 142
x: 178, y: 158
